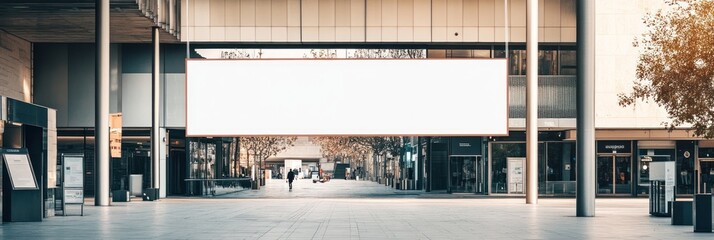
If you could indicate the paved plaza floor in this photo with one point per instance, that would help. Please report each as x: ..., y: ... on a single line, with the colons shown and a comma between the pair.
x: 353, y: 210
x: 336, y: 188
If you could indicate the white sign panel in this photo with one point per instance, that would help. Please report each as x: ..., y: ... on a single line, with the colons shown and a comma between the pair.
x: 21, y: 175
x: 657, y: 171
x: 346, y: 97
x: 74, y: 196
x: 515, y: 175
x: 73, y: 172
x: 669, y: 181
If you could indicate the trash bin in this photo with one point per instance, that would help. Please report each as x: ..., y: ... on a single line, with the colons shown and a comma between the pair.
x: 682, y: 213
x: 702, y: 210
x: 150, y: 194
x: 135, y: 183
x: 120, y: 196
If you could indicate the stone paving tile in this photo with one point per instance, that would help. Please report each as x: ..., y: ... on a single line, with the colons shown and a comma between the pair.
x: 367, y: 211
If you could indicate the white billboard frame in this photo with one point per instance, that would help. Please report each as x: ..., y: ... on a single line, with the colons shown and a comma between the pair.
x: 474, y: 101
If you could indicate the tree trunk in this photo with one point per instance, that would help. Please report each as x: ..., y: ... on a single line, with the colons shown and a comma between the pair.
x: 236, y: 155
x: 384, y: 172
x: 247, y: 162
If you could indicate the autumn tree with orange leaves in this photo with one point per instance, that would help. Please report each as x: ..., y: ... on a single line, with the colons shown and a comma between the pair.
x: 676, y: 66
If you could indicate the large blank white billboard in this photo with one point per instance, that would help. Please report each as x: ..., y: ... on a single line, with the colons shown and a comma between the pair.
x: 441, y: 97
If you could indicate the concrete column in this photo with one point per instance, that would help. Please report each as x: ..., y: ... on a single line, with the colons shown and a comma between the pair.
x: 163, y: 149
x: 188, y: 27
x: 172, y: 17
x: 101, y: 107
x: 532, y: 102
x: 155, y: 136
x: 427, y: 164
x: 585, y: 197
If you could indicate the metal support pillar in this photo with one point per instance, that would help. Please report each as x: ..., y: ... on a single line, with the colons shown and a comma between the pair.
x: 427, y: 164
x: 532, y: 102
x: 188, y: 28
x: 155, y: 136
x: 101, y: 107
x: 585, y: 197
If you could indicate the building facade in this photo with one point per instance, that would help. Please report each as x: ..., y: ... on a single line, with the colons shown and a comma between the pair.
x: 628, y: 139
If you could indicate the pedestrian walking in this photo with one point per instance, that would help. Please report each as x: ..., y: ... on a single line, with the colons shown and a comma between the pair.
x: 291, y: 177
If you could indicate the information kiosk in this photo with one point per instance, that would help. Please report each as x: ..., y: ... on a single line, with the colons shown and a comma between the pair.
x: 72, y: 182
x: 22, y: 197
x: 28, y: 130
x: 662, y: 186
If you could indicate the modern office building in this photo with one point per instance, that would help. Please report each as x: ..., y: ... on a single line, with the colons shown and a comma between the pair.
x: 48, y: 58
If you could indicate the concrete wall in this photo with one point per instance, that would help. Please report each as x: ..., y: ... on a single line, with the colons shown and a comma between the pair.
x: 371, y: 20
x: 15, y: 67
x: 136, y: 85
x: 64, y: 77
x: 64, y: 73
x: 617, y: 25
x: 64, y: 80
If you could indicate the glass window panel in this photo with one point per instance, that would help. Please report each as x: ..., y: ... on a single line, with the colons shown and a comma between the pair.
x: 555, y: 167
x: 645, y: 157
x: 604, y: 175
x: 541, y: 162
x: 481, y: 53
x: 498, y: 54
x: 436, y: 53
x: 568, y: 64
x: 458, y: 53
x: 548, y: 62
x: 517, y: 62
x: 500, y: 152
x: 685, y: 175
x: 706, y: 152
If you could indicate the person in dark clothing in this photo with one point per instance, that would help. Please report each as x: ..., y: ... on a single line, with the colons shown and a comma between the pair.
x: 291, y: 177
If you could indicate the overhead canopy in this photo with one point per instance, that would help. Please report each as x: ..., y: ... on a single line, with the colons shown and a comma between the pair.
x: 72, y: 21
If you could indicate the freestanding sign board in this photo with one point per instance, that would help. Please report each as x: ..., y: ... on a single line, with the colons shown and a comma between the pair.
x: 21, y: 192
x: 73, y: 172
x: 663, y: 172
x: 72, y: 181
x: 669, y: 182
x: 515, y: 174
x: 20, y: 172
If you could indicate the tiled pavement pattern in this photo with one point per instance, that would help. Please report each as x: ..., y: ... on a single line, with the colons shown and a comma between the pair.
x: 308, y: 213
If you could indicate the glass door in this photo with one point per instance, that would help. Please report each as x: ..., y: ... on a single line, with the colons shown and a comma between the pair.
x: 623, y: 172
x: 605, y: 176
x: 480, y: 176
x: 176, y: 171
x: 613, y: 174
x: 464, y: 174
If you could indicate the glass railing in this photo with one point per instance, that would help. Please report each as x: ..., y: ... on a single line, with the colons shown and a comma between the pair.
x: 216, y: 187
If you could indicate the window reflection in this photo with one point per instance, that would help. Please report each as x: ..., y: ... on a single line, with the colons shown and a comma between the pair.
x: 568, y: 62
x: 552, y: 59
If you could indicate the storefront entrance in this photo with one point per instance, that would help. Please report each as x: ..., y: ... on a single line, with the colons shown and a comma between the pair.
x: 467, y: 174
x: 706, y: 175
x: 614, y: 174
